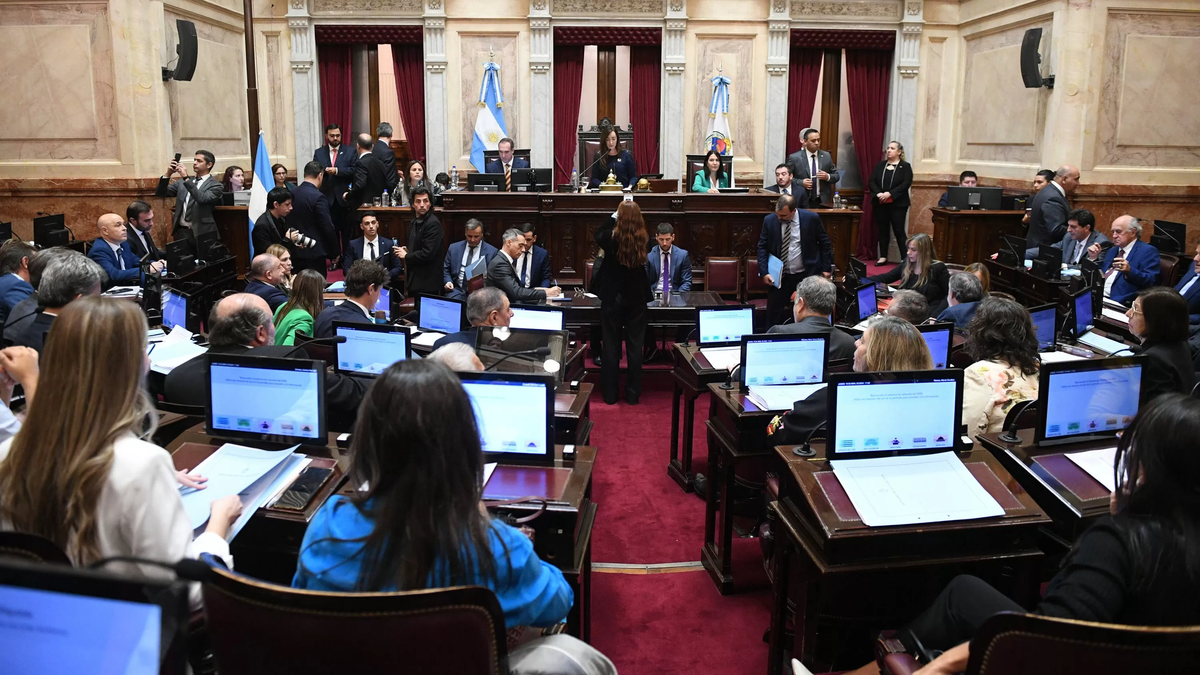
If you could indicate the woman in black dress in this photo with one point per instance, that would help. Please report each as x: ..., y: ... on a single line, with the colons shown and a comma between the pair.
x: 624, y: 291
x: 612, y: 157
x: 889, y: 186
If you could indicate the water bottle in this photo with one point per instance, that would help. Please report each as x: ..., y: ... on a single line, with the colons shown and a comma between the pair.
x: 385, y: 201
x: 574, y: 179
x: 454, y: 177
x: 837, y: 200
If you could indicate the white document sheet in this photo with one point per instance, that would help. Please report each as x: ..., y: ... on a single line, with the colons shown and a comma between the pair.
x: 1098, y: 464
x: 427, y: 339
x: 913, y: 490
x: 165, y: 357
x: 1113, y: 314
x: 1102, y: 343
x: 782, y: 396
x: 256, y: 495
x: 488, y: 470
x: 1058, y: 357
x: 229, y: 470
x: 723, y: 357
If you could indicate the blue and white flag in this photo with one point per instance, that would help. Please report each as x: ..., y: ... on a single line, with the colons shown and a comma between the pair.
x: 718, y: 137
x: 258, y: 190
x: 489, y: 124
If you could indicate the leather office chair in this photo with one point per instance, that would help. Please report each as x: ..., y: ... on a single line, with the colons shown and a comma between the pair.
x: 695, y: 164
x: 1011, y: 644
x: 722, y: 276
x: 1169, y: 269
x: 258, y: 627
x: 587, y: 273
x: 755, y: 289
x: 321, y: 352
x: 31, y: 547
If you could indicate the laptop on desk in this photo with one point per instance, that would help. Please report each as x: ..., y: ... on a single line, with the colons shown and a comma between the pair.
x: 779, y: 369
x: 515, y: 415
x: 266, y: 399
x: 1084, y: 400
x: 939, y: 337
x: 721, y: 332
x: 1081, y: 318
x: 537, y: 317
x: 436, y: 317
x: 867, y: 304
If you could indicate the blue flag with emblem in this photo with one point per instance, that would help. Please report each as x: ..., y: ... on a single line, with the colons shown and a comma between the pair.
x: 718, y: 137
x: 489, y: 124
x: 258, y: 190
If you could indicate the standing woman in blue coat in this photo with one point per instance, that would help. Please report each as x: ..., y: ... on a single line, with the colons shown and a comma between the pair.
x: 612, y: 158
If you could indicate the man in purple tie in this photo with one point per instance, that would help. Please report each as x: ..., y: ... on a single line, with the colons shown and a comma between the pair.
x: 814, y: 170
x: 670, y: 266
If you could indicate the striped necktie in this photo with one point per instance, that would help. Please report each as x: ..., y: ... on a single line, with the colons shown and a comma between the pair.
x: 507, y: 178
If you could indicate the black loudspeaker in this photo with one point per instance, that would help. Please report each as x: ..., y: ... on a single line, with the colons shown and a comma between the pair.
x: 1031, y: 61
x: 186, y: 49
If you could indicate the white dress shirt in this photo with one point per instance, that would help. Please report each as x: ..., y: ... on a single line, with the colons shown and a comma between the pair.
x: 142, y: 236
x: 1112, y: 278
x: 117, y: 250
x: 364, y: 310
x: 522, y: 266
x: 368, y: 254
x: 810, y: 157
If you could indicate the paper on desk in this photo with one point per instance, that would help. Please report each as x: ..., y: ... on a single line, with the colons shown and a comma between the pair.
x: 1113, y: 314
x: 260, y: 490
x: 427, y: 339
x: 1102, y: 343
x: 1058, y: 357
x: 1098, y: 464
x: 488, y: 470
x: 782, y: 396
x: 336, y: 287
x: 722, y: 358
x: 166, y: 357
x: 230, y: 470
x: 775, y: 269
x: 914, y: 489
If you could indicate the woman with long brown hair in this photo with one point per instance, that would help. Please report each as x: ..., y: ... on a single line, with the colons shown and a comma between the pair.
x: 920, y: 271
x: 79, y: 472
x: 624, y: 290
x: 300, y: 312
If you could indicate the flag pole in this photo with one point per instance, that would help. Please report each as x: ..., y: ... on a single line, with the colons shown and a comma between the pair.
x: 251, y: 79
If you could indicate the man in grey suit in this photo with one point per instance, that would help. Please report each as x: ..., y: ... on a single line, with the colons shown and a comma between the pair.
x: 816, y: 298
x: 813, y: 168
x: 1081, y: 234
x: 502, y: 274
x: 1048, y: 213
x: 195, y: 197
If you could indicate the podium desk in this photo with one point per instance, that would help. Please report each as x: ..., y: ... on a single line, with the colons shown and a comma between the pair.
x: 680, y: 310
x: 692, y: 376
x: 834, y: 568
x: 964, y: 237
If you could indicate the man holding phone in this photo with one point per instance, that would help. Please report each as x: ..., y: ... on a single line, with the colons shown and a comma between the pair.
x: 195, y: 197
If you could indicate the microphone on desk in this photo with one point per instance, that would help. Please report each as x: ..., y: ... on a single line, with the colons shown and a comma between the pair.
x: 333, y: 340
x: 550, y: 365
x: 806, y: 450
x: 686, y: 340
x: 729, y: 378
x: 1010, y: 430
x: 588, y: 171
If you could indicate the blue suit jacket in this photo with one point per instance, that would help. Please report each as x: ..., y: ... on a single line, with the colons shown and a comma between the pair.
x: 1192, y: 296
x: 103, y: 254
x: 1142, y: 274
x: 539, y: 269
x: 960, y: 315
x: 467, y: 337
x: 13, y: 289
x: 454, y: 257
x: 681, y: 268
x: 333, y: 187
x: 272, y: 294
x: 496, y: 166
x: 815, y: 248
x: 344, y: 312
x: 383, y: 255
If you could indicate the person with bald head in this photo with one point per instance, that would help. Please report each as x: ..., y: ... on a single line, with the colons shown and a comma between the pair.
x: 1130, y: 265
x: 1048, y: 213
x: 266, y: 273
x: 112, y: 252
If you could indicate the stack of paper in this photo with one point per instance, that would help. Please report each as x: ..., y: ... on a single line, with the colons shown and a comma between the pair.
x: 1102, y: 343
x: 723, y: 358
x: 236, y: 470
x: 427, y: 339
x: 914, y: 489
x: 782, y: 396
x: 1098, y: 464
x: 1115, y: 315
x: 1058, y: 357
x: 336, y: 287
x: 176, y: 348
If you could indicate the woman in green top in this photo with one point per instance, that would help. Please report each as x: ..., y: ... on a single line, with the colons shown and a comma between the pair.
x: 300, y: 312
x: 713, y: 176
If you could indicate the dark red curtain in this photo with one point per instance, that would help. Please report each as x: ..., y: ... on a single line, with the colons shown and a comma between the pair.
x: 804, y: 72
x: 868, y: 74
x: 568, y: 87
x: 409, y: 60
x: 645, y: 78
x: 336, y: 94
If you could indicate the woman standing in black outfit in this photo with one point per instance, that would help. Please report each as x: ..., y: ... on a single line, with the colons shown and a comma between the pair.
x: 889, y: 186
x: 624, y: 290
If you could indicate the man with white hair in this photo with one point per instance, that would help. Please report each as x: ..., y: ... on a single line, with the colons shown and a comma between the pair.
x: 1130, y: 265
x: 964, y: 297
x: 266, y: 271
x: 457, y: 356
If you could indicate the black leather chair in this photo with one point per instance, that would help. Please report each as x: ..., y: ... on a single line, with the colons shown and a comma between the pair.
x: 31, y: 547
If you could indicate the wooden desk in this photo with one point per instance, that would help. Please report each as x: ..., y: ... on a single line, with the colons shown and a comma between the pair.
x: 964, y: 237
x: 840, y: 567
x: 572, y: 414
x: 583, y: 311
x: 691, y: 379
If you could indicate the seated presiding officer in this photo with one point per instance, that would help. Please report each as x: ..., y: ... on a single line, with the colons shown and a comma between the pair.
x: 266, y: 273
x: 1130, y: 265
x: 15, y: 256
x: 364, y: 285
x: 372, y: 246
x: 889, y: 344
x: 712, y: 177
x: 419, y: 520
x: 921, y: 272
x: 612, y: 159
x: 1004, y: 345
x: 506, y: 162
x: 485, y: 307
x: 1081, y: 234
x: 1159, y: 319
x: 461, y: 255
x: 66, y: 279
x: 674, y: 260
x: 112, y: 252
x: 816, y: 299
x: 502, y: 271
x: 963, y: 299
x: 1138, y: 567
x: 1187, y: 287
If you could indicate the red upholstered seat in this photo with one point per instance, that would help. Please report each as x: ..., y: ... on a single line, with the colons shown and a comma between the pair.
x: 587, y: 273
x: 755, y: 287
x: 722, y: 276
x: 1169, y: 269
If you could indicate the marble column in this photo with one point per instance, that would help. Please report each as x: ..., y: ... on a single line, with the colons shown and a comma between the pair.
x: 674, y: 55
x: 306, y: 86
x: 903, y: 121
x: 437, y: 148
x: 778, y: 56
x: 541, y: 85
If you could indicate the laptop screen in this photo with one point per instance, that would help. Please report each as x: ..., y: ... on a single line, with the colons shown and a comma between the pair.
x: 939, y: 337
x: 1095, y: 397
x: 537, y: 318
x: 783, y: 359
x: 515, y: 414
x: 1045, y: 323
x: 724, y: 327
x: 439, y: 314
x: 384, y: 304
x: 174, y: 309
x: 867, y: 303
x: 1083, y: 311
x: 256, y: 397
x: 880, y: 414
x: 369, y: 348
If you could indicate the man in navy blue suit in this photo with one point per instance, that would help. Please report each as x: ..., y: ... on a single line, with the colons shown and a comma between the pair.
x: 1188, y: 287
x: 798, y: 239
x: 964, y: 297
x: 15, y: 284
x: 111, y: 250
x: 462, y: 255
x: 679, y: 263
x: 1130, y: 265
x: 337, y: 161
x: 266, y: 271
x: 311, y: 217
x: 533, y: 267
x: 506, y: 164
x: 364, y: 284
x: 372, y: 246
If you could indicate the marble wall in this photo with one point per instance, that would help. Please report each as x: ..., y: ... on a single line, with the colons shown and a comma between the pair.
x: 735, y: 56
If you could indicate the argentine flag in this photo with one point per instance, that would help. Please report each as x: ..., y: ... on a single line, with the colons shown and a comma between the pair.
x: 489, y: 125
x: 258, y: 190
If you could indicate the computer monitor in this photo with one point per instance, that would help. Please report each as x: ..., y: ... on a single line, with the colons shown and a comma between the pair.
x: 50, y: 231
x: 181, y: 258
x: 1168, y: 237
x: 369, y: 348
x: 60, y: 619
x: 1045, y: 324
x: 868, y: 304
x: 532, y: 180
x: 479, y: 182
x: 725, y: 327
x: 515, y: 415
x: 939, y: 337
x: 857, y: 269
x: 384, y: 303
x: 537, y: 317
x: 209, y: 248
x: 439, y: 315
x: 174, y: 308
x: 1089, y: 271
x: 493, y: 343
x: 260, y: 398
x: 1082, y: 313
x: 5, y: 231
x: 893, y: 413
x: 984, y: 198
x: 1012, y: 250
x: 1087, y: 399
x: 1050, y: 254
x: 784, y: 358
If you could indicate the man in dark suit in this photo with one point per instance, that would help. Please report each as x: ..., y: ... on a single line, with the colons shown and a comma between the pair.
x: 139, y: 222
x: 1081, y: 234
x: 111, y: 251
x: 816, y: 299
x: 965, y: 179
x: 271, y: 227
x: 15, y: 285
x: 383, y: 150
x: 336, y: 159
x: 966, y: 292
x: 807, y: 252
x: 372, y: 246
x: 266, y: 271
x: 502, y: 272
x: 506, y: 164
x: 1188, y: 287
x: 533, y: 267
x: 195, y: 198
x: 310, y: 217
x: 1130, y: 265
x: 485, y: 307
x: 679, y: 264
x: 814, y: 169
x: 66, y: 278
x: 241, y: 324
x: 783, y: 182
x: 422, y: 253
x: 1048, y: 213
x: 364, y: 285
x: 461, y: 256
x: 370, y: 176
